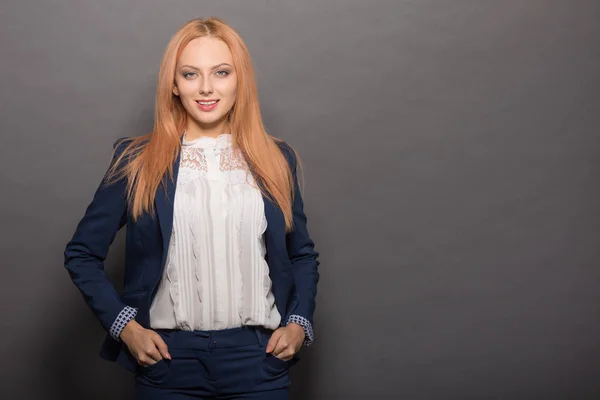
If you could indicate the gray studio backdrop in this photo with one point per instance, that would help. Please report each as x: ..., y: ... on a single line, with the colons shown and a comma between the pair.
x: 452, y: 159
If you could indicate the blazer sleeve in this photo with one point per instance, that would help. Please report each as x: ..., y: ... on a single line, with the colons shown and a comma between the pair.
x: 85, y: 253
x: 300, y: 248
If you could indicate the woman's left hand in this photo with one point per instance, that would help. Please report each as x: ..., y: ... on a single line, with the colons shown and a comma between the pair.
x: 286, y: 341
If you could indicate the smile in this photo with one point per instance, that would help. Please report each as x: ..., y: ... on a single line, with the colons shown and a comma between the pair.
x: 207, y: 105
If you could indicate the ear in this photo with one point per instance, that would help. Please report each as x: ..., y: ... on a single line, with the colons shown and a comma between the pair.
x: 175, y: 90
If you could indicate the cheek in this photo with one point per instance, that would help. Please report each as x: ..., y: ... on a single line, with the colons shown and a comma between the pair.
x: 229, y: 93
x: 226, y: 86
x: 187, y: 91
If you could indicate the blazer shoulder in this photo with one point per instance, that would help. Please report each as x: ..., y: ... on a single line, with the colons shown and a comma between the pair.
x: 288, y: 151
x: 121, y: 143
x: 119, y: 147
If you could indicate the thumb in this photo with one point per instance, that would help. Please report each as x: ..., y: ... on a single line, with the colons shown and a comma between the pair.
x: 273, y: 340
x: 161, y: 345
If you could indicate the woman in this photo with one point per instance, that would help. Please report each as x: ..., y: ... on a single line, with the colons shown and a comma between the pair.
x: 220, y: 271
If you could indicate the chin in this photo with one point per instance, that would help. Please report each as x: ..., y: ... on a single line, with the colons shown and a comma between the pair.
x: 210, y: 120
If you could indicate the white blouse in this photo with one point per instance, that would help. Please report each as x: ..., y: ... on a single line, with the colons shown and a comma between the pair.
x: 216, y: 276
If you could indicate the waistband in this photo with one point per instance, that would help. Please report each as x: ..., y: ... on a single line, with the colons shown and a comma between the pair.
x: 211, y: 339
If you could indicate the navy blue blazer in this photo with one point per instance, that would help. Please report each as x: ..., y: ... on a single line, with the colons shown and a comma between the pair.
x: 292, y: 260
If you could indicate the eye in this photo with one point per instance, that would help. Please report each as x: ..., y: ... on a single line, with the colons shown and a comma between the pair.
x: 225, y: 72
x: 186, y: 75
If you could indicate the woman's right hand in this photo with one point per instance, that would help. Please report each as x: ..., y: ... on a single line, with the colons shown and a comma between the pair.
x: 145, y: 345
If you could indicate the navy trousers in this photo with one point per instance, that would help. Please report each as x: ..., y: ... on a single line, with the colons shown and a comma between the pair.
x: 220, y: 364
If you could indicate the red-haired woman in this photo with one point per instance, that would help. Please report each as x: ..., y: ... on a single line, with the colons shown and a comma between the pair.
x: 220, y: 271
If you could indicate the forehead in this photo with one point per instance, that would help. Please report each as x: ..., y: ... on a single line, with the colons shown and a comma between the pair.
x: 205, y: 52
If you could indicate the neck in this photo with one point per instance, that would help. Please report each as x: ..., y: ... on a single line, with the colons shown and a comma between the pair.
x: 194, y: 130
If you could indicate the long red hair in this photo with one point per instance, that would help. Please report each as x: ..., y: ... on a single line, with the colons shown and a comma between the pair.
x: 151, y: 156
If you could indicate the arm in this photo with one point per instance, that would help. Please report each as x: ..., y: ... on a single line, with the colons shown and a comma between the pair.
x: 86, y: 251
x: 303, y: 257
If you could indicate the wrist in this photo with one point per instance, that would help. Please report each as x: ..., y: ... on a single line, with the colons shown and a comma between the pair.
x: 129, y: 329
x: 299, y: 329
x: 126, y: 315
x: 305, y: 324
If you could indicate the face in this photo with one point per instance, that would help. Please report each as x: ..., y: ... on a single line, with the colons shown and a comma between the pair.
x: 205, y: 73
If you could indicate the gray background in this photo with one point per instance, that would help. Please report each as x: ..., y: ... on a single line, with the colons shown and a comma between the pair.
x: 452, y: 158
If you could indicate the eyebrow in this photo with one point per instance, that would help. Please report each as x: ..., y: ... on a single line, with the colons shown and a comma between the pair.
x: 198, y: 69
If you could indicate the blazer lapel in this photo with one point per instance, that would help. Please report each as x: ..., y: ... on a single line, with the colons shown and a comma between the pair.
x: 164, y: 203
x: 275, y: 228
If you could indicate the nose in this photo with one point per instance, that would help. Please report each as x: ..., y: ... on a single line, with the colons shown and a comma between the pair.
x: 206, y: 86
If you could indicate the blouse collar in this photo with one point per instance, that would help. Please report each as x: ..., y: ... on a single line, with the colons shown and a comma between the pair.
x: 222, y: 141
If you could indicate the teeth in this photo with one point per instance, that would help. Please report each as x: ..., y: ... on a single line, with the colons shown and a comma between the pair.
x: 207, y: 103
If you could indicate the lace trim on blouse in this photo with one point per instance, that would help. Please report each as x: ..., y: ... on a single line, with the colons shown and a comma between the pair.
x: 231, y: 159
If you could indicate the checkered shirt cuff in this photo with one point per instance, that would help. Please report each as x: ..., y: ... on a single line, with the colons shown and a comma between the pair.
x: 308, y: 330
x: 126, y: 315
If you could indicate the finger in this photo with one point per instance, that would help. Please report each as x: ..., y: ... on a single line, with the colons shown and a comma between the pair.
x: 146, y: 359
x: 151, y: 352
x: 273, y: 340
x: 161, y: 345
x: 285, y: 355
x: 281, y: 347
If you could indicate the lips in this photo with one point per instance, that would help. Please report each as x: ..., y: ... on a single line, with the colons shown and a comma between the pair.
x: 207, y: 105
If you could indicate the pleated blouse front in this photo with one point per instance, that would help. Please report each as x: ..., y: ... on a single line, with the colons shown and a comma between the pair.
x: 216, y: 276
